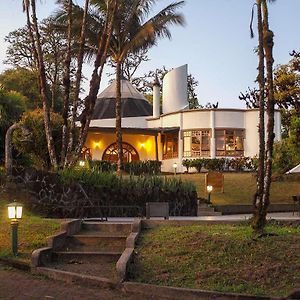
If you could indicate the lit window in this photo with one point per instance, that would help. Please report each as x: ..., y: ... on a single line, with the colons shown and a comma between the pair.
x: 196, y: 143
x: 229, y: 142
x: 170, y: 145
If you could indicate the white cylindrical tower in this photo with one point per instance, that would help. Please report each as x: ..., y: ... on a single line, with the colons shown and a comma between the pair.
x: 175, y: 90
x: 156, y: 98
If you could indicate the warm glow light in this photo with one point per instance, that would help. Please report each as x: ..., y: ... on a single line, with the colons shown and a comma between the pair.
x: 175, y: 165
x: 97, y: 145
x: 209, y: 188
x: 15, y: 210
x: 81, y: 163
x: 142, y: 145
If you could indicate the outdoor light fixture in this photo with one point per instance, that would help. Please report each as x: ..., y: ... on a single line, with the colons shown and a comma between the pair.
x: 14, y: 210
x: 175, y: 168
x: 142, y: 145
x: 81, y: 163
x: 209, y: 189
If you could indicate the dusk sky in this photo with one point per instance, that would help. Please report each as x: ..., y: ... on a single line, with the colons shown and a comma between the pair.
x: 215, y: 43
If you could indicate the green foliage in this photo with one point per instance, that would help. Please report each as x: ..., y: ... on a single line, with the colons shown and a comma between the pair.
x: 88, y: 177
x: 239, y: 164
x: 187, y: 163
x: 197, y: 164
x: 12, y: 105
x: 23, y: 81
x: 34, y: 145
x: 102, y: 166
x: 108, y: 189
x: 151, y: 167
x: 215, y: 164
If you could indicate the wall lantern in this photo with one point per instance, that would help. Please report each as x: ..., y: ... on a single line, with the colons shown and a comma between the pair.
x: 15, y: 211
x: 175, y: 168
x: 209, y: 189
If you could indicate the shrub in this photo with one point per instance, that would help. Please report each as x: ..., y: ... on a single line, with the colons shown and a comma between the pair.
x: 197, y: 164
x: 188, y: 164
x: 215, y: 164
x: 80, y: 192
x: 150, y: 167
x: 35, y: 145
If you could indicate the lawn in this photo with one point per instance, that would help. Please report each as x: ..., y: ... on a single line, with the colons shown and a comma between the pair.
x: 33, y: 231
x: 223, y: 258
x: 240, y: 187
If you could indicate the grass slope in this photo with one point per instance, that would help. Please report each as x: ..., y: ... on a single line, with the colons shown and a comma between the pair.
x: 32, y: 233
x: 223, y: 258
x: 240, y: 187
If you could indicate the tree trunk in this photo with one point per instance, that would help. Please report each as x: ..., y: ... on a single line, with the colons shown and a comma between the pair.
x: 89, y: 101
x: 43, y: 88
x: 119, y: 117
x: 268, y: 46
x: 257, y: 199
x: 67, y: 86
x: 78, y: 81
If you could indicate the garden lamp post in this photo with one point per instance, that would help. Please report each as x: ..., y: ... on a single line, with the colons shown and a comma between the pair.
x: 14, y: 210
x: 81, y: 163
x: 175, y: 168
x: 209, y: 189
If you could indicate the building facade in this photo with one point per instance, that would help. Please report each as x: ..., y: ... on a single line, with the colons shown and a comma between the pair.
x: 175, y: 134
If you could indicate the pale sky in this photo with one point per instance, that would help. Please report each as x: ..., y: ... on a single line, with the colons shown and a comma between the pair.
x: 215, y: 43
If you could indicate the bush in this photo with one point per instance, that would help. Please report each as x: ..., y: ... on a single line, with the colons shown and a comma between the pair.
x: 150, y: 167
x: 34, y: 146
x: 77, y: 193
x: 197, y: 164
x: 215, y: 164
x: 187, y: 163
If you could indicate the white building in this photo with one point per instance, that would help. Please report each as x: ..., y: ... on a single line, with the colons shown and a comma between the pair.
x: 176, y: 134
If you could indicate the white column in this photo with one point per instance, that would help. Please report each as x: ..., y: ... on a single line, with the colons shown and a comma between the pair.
x: 156, y: 100
x: 212, y: 133
x: 180, y: 145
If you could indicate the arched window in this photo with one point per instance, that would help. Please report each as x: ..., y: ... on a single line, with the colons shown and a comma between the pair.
x: 129, y: 153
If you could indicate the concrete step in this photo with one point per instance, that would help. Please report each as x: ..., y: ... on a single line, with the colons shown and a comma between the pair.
x: 209, y: 213
x: 86, y: 243
x: 115, y: 227
x: 206, y: 209
x: 80, y: 257
x: 77, y: 277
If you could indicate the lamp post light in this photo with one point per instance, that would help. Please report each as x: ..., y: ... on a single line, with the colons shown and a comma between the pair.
x: 14, y: 210
x: 175, y: 168
x: 209, y: 189
x: 81, y: 163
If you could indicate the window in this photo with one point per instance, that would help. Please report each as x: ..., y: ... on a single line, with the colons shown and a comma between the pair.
x: 196, y: 143
x: 229, y: 142
x: 129, y: 153
x: 170, y: 145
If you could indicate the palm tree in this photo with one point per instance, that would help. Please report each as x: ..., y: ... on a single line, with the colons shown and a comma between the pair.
x: 29, y: 6
x: 265, y: 48
x: 133, y: 31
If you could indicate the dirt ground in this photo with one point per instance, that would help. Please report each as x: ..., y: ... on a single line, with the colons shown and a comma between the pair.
x: 19, y: 285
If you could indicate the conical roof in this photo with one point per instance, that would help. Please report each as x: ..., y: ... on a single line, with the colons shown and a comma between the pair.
x: 134, y: 104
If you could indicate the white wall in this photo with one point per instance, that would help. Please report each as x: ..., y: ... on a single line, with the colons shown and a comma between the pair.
x: 132, y: 122
x: 175, y: 90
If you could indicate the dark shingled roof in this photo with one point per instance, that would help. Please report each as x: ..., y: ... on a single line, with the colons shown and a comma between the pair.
x: 134, y: 104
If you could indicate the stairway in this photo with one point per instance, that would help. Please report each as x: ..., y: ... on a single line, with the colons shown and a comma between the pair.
x: 205, y: 209
x: 94, y: 250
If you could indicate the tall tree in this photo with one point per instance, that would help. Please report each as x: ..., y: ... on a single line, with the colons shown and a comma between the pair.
x: 101, y: 49
x: 265, y: 54
x: 133, y: 30
x: 32, y: 23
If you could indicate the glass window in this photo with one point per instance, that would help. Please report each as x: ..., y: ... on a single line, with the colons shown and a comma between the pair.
x: 229, y: 142
x: 170, y: 145
x: 196, y: 143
